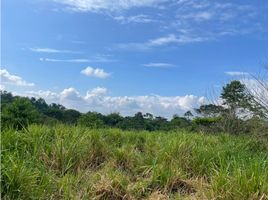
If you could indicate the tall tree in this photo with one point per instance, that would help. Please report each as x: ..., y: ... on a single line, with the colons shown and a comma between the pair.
x: 234, y: 95
x: 236, y: 98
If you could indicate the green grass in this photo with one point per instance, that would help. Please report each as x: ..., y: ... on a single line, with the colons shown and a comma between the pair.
x: 64, y: 162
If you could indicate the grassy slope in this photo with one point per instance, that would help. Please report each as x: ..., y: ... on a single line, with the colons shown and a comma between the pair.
x: 76, y: 163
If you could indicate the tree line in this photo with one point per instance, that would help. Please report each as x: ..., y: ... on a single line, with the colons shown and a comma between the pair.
x: 239, y: 112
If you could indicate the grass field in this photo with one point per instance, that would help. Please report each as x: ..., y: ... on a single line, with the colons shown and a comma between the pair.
x: 64, y: 162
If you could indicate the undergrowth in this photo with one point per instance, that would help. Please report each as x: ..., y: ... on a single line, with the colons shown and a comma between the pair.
x: 68, y: 162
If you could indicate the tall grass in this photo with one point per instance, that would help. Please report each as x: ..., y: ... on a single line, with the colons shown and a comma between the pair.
x: 68, y: 162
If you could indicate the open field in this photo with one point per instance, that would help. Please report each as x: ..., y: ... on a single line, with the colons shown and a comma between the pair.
x: 69, y: 162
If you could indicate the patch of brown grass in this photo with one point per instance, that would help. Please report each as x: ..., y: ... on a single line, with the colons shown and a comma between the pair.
x: 180, y: 186
x: 110, y: 189
x: 157, y: 196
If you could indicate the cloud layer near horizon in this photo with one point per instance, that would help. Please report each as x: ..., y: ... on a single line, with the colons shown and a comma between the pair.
x: 98, y: 100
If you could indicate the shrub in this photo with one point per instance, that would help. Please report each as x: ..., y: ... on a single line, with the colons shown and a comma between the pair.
x: 19, y: 114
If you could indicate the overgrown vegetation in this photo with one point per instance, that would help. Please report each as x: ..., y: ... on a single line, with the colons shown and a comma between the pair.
x: 72, y: 162
x: 219, y: 152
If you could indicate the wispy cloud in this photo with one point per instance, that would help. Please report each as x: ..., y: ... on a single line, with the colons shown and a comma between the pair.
x: 170, y: 39
x: 197, y: 16
x: 141, y: 18
x: 95, y: 59
x: 203, y: 18
x: 95, y: 72
x: 11, y: 79
x: 78, y: 42
x: 159, y: 65
x: 50, y: 50
x: 77, y: 60
x: 236, y: 73
x: 107, y: 5
x: 215, y: 19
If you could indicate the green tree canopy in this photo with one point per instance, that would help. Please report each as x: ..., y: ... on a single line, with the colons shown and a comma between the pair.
x: 210, y: 110
x: 235, y: 95
x: 19, y: 113
x: 91, y: 119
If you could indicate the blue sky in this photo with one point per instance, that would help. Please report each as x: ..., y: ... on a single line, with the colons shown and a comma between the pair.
x: 155, y: 56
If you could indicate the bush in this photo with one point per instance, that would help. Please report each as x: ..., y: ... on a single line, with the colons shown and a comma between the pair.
x: 19, y: 114
x: 206, y: 121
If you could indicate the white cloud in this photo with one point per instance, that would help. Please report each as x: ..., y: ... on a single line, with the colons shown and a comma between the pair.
x: 98, y: 91
x: 95, y: 72
x: 50, y: 50
x: 70, y: 93
x: 233, y: 73
x: 107, y: 5
x: 98, y: 100
x: 173, y: 39
x: 77, y: 60
x: 8, y: 78
x: 197, y: 16
x: 129, y: 105
x: 70, y: 98
x: 170, y: 39
x: 96, y: 58
x: 141, y: 18
x: 159, y: 65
